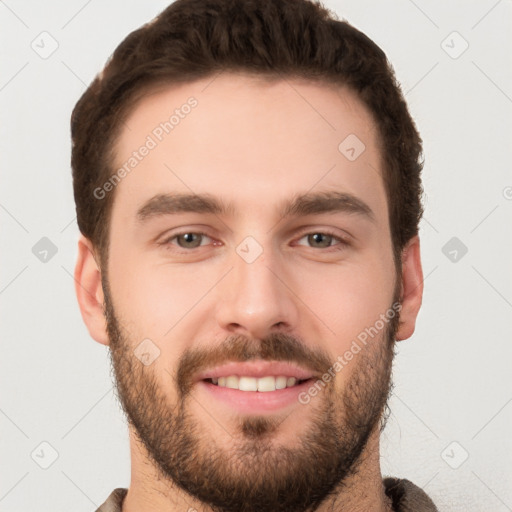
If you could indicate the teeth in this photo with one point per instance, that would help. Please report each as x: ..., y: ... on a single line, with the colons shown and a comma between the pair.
x: 267, y: 384
x: 246, y: 383
x: 262, y: 384
x: 281, y: 382
x: 232, y: 382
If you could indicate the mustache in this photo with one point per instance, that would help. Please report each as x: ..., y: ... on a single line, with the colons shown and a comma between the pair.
x: 238, y: 348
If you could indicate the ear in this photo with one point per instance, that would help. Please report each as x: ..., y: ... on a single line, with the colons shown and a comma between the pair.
x: 89, y: 291
x: 412, y: 288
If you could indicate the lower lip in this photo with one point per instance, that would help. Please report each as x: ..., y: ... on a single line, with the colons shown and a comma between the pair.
x: 255, y: 401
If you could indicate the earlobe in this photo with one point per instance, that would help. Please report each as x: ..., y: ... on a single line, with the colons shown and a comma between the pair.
x: 412, y: 288
x: 89, y: 291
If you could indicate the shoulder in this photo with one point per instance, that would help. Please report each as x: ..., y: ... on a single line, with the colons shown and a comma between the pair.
x: 407, y: 497
x: 114, y: 502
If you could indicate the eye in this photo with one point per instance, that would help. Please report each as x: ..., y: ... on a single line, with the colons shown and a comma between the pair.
x: 324, y: 239
x: 187, y: 240
x: 315, y: 239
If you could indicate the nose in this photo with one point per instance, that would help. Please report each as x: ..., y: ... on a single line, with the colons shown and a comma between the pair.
x: 255, y: 298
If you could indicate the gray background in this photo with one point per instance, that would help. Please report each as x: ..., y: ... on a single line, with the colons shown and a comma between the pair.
x: 453, y: 393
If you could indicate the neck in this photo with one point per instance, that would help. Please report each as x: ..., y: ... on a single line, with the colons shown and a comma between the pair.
x: 150, y: 490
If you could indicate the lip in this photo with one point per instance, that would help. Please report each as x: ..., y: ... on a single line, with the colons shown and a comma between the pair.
x: 256, y: 369
x: 253, y: 402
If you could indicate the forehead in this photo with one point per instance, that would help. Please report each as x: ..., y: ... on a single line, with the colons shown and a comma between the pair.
x: 250, y: 139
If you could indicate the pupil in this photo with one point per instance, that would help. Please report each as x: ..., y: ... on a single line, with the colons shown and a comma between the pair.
x: 317, y: 238
x: 189, y: 238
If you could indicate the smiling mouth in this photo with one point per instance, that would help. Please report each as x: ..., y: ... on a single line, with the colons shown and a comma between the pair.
x: 262, y: 384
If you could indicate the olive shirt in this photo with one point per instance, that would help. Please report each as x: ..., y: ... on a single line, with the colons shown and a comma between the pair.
x: 406, y: 497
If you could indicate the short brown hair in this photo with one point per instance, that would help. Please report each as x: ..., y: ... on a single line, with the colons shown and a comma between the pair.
x: 194, y: 39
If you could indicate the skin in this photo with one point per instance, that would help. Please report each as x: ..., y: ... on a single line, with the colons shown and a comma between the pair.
x: 257, y: 145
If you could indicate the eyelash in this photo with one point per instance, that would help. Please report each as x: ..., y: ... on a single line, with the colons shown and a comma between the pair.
x: 343, y: 243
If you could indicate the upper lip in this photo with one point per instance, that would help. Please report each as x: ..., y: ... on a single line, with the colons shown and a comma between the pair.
x: 257, y: 369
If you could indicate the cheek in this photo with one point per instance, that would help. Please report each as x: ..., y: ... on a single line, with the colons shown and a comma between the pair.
x: 348, y: 300
x: 154, y: 296
x: 159, y: 303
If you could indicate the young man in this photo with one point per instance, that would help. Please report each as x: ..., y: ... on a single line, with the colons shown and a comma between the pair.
x: 247, y: 182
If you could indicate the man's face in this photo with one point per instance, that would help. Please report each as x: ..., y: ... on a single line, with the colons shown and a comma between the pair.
x: 253, y: 291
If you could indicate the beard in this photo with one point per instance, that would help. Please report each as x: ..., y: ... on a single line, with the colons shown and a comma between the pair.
x: 255, y: 473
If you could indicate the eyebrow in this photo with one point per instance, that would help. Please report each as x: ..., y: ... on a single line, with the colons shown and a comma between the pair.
x: 300, y: 205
